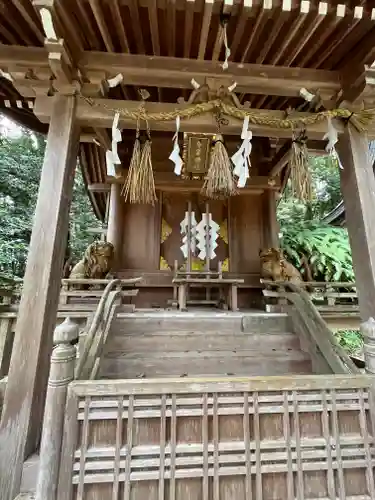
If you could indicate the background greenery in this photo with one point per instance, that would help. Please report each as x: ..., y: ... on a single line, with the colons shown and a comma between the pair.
x: 304, y: 234
x: 21, y: 159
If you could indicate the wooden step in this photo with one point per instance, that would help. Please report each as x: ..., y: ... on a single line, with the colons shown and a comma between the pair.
x: 221, y: 321
x: 206, y: 363
x: 199, y: 340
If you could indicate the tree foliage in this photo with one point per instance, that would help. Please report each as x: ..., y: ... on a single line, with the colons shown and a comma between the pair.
x: 304, y: 235
x: 21, y: 160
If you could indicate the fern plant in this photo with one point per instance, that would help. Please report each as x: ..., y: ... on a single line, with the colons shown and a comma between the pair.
x: 325, y: 248
x: 305, y: 237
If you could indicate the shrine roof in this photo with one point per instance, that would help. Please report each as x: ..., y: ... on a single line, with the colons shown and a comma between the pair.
x: 331, y: 36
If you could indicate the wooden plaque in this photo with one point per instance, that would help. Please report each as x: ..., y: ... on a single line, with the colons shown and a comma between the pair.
x: 197, y: 149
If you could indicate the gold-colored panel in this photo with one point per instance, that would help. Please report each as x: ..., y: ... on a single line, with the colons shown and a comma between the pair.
x: 196, y: 265
x: 225, y: 265
x: 164, y: 265
x: 223, y: 231
x: 166, y: 230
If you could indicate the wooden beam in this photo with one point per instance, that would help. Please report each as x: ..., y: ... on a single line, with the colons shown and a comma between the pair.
x: 281, y: 159
x: 168, y: 181
x: 100, y: 116
x: 172, y: 72
x: 358, y: 189
x: 30, y: 57
x: 28, y: 374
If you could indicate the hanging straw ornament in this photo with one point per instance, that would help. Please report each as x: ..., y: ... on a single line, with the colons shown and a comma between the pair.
x: 241, y: 158
x: 145, y: 189
x: 332, y: 137
x: 299, y: 168
x: 175, y: 156
x: 129, y: 189
x: 219, y: 182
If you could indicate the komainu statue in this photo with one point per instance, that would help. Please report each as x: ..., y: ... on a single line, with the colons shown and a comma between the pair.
x: 96, y: 263
x: 274, y: 266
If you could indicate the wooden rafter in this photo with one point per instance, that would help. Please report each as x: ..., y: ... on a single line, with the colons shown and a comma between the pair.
x: 208, y: 6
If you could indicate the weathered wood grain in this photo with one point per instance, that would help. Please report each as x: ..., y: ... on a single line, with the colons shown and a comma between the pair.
x: 115, y: 230
x: 24, y: 399
x: 219, y: 438
x: 358, y: 189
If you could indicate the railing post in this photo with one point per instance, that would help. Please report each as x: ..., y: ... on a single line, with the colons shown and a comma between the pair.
x: 61, y: 374
x: 368, y: 333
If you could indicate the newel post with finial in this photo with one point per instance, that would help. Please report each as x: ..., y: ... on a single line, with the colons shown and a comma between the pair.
x: 61, y: 374
x: 368, y: 333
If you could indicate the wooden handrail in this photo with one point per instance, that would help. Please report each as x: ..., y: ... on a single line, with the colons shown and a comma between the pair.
x: 88, y: 361
x: 106, y: 281
x: 315, y: 284
x: 313, y: 328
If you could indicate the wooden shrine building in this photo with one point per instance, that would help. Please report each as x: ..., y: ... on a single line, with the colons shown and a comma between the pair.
x: 184, y: 74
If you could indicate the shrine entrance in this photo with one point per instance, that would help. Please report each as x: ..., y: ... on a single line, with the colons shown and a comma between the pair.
x: 187, y: 238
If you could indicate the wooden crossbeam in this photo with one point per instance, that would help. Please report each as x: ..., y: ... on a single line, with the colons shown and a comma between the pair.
x: 172, y: 72
x: 99, y: 115
x: 168, y: 181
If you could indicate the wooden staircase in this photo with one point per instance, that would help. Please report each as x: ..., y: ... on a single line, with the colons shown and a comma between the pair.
x: 169, y: 344
x: 208, y: 405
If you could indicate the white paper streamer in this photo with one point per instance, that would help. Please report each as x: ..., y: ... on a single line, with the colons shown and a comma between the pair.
x: 184, y: 228
x: 227, y: 49
x: 116, y: 132
x: 47, y: 23
x: 241, y: 158
x: 332, y: 137
x: 112, y: 157
x: 111, y: 171
x: 6, y: 75
x: 116, y: 80
x: 195, y: 84
x: 175, y: 156
x: 207, y: 224
x: 308, y: 96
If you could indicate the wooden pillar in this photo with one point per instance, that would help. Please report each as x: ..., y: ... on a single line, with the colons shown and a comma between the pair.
x: 29, y: 367
x: 269, y: 220
x: 358, y: 190
x: 368, y: 333
x: 115, y: 229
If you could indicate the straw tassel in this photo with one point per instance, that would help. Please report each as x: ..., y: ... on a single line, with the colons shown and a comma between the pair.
x: 219, y: 182
x: 145, y: 183
x: 129, y: 189
x: 299, y: 168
